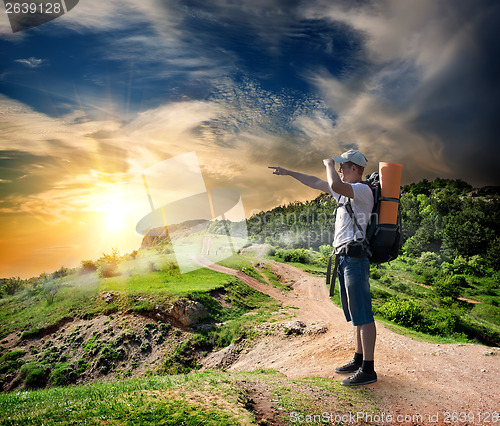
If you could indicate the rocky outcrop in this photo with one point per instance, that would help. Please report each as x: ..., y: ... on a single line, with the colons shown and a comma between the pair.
x: 295, y: 327
x: 224, y: 358
x: 185, y: 312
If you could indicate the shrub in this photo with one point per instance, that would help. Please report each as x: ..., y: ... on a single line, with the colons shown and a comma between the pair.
x: 108, y: 270
x: 271, y: 251
x: 476, y: 266
x: 49, y: 291
x: 297, y: 255
x: 62, y: 375
x: 403, y: 312
x: 375, y: 273
x: 34, y: 375
x: 379, y: 294
x: 457, y: 280
x: 61, y: 272
x: 88, y: 266
x: 447, y: 268
x: 11, y: 361
x: 11, y: 286
x: 460, y: 265
x: 428, y: 259
x: 445, y: 323
x: 170, y: 267
x: 427, y: 276
x: 108, y: 264
x: 387, y: 280
x: 447, y: 287
x: 325, y: 250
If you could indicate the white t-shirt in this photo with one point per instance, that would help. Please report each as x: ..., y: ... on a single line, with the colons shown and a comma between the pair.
x: 362, y: 206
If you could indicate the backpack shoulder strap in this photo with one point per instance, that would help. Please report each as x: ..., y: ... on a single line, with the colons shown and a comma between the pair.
x: 350, y: 211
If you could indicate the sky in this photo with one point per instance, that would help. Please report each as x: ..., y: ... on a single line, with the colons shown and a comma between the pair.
x: 91, y: 99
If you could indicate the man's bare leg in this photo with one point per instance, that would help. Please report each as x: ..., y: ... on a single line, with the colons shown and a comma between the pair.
x: 366, y: 337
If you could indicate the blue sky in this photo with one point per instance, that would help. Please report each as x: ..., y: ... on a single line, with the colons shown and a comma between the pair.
x: 91, y: 98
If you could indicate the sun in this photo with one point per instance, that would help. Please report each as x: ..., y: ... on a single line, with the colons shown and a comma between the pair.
x: 116, y: 213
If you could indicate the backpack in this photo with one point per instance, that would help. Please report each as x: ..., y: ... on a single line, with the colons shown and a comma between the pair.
x: 384, y: 240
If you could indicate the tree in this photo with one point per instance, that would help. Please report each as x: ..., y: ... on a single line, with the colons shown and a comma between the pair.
x: 466, y: 232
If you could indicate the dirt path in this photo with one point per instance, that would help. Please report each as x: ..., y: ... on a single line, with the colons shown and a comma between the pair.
x: 415, y: 378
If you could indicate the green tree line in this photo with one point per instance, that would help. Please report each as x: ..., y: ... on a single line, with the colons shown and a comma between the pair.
x: 446, y: 217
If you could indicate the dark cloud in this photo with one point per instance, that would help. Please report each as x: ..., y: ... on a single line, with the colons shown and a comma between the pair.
x: 460, y: 104
x: 27, y: 173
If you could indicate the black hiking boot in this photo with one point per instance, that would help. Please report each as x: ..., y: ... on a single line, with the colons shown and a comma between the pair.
x: 350, y: 367
x: 360, y: 378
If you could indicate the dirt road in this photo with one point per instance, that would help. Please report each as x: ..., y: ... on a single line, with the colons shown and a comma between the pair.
x: 414, y: 378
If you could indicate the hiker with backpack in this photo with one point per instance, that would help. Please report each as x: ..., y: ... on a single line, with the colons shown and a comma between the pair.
x: 355, y: 202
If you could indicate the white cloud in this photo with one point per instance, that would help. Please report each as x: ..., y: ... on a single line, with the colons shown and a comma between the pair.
x: 31, y: 62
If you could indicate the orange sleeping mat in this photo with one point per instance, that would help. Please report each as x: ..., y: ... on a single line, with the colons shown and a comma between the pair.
x: 390, y: 183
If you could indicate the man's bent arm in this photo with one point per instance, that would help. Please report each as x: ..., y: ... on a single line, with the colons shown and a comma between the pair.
x: 334, y: 182
x: 308, y: 180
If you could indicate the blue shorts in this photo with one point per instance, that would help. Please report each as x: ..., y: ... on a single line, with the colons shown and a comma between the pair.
x: 354, y: 287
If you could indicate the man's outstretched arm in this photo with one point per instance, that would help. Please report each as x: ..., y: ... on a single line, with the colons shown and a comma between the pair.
x: 308, y: 180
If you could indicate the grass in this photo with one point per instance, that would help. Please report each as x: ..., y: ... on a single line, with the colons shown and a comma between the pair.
x: 77, y: 295
x: 203, y: 398
x: 208, y: 398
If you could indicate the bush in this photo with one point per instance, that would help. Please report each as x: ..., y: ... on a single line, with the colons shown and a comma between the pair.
x: 61, y: 272
x: 108, y: 270
x: 297, y: 255
x: 444, y: 323
x: 271, y: 251
x: 34, y: 375
x: 376, y: 274
x: 447, y: 268
x: 427, y: 276
x: 326, y: 250
x: 387, y: 280
x: 108, y: 264
x: 88, y: 266
x: 170, y: 267
x: 428, y: 259
x: 458, y: 280
x: 448, y: 287
x: 62, y: 375
x: 403, y: 312
x: 11, y: 286
x: 49, y: 291
x: 11, y: 361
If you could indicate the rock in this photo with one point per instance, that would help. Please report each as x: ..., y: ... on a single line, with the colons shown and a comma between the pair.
x: 318, y: 328
x: 295, y: 327
x: 108, y: 297
x: 187, y: 312
x: 223, y: 358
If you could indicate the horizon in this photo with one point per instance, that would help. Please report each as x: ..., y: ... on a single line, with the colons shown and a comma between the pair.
x: 109, y: 89
x: 141, y: 237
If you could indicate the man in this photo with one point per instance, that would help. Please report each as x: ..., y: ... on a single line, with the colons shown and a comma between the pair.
x: 353, y: 272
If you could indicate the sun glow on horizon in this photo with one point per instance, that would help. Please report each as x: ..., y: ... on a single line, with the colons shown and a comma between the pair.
x: 116, y: 212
